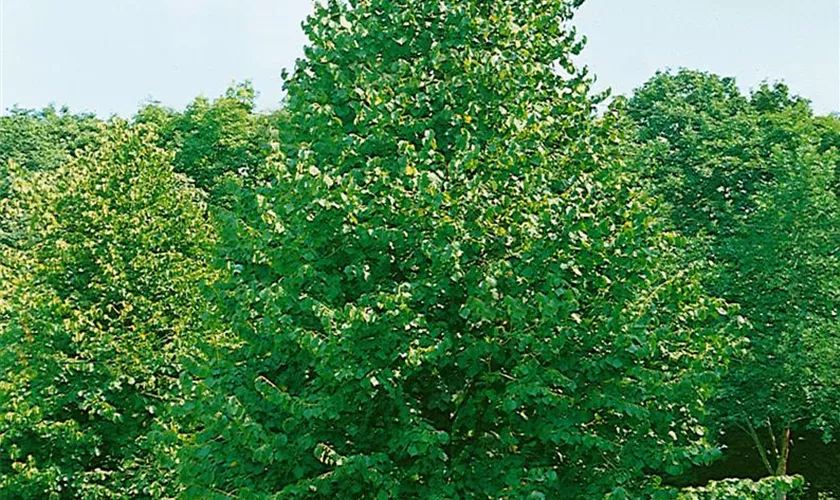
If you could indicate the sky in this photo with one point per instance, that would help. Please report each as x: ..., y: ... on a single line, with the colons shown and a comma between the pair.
x: 110, y: 56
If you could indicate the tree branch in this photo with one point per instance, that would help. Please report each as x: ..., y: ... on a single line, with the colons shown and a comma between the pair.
x: 751, y: 431
x: 773, y: 439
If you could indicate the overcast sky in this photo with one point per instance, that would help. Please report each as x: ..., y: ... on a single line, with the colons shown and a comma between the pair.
x: 109, y: 56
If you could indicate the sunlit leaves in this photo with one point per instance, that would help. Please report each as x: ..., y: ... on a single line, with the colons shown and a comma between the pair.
x: 100, y: 300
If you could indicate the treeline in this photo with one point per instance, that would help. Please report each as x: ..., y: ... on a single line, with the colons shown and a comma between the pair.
x: 436, y: 272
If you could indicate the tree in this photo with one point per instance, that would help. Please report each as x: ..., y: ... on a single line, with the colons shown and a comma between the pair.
x: 44, y: 139
x: 452, y: 288
x: 751, y: 182
x: 215, y: 141
x: 99, y: 302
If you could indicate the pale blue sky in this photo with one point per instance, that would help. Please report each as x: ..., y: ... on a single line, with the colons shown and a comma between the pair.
x: 108, y: 56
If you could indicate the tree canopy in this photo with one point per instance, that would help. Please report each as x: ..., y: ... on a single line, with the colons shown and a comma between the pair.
x: 452, y: 289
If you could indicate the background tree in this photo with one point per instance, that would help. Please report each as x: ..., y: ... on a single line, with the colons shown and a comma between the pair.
x: 47, y: 138
x: 216, y: 142
x: 829, y: 130
x: 452, y: 288
x: 751, y: 181
x: 43, y: 139
x: 99, y: 301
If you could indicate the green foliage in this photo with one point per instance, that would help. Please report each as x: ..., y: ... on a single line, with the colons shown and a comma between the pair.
x: 828, y: 128
x: 452, y: 288
x: 437, y: 273
x: 43, y: 140
x: 99, y: 300
x: 753, y: 183
x: 698, y: 135
x: 744, y: 489
x: 215, y: 141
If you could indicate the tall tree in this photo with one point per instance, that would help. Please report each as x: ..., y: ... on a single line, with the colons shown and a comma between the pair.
x: 452, y: 288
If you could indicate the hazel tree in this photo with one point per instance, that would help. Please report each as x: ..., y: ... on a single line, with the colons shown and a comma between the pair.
x: 453, y: 287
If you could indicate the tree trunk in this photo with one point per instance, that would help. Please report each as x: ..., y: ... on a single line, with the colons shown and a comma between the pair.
x: 784, y: 453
